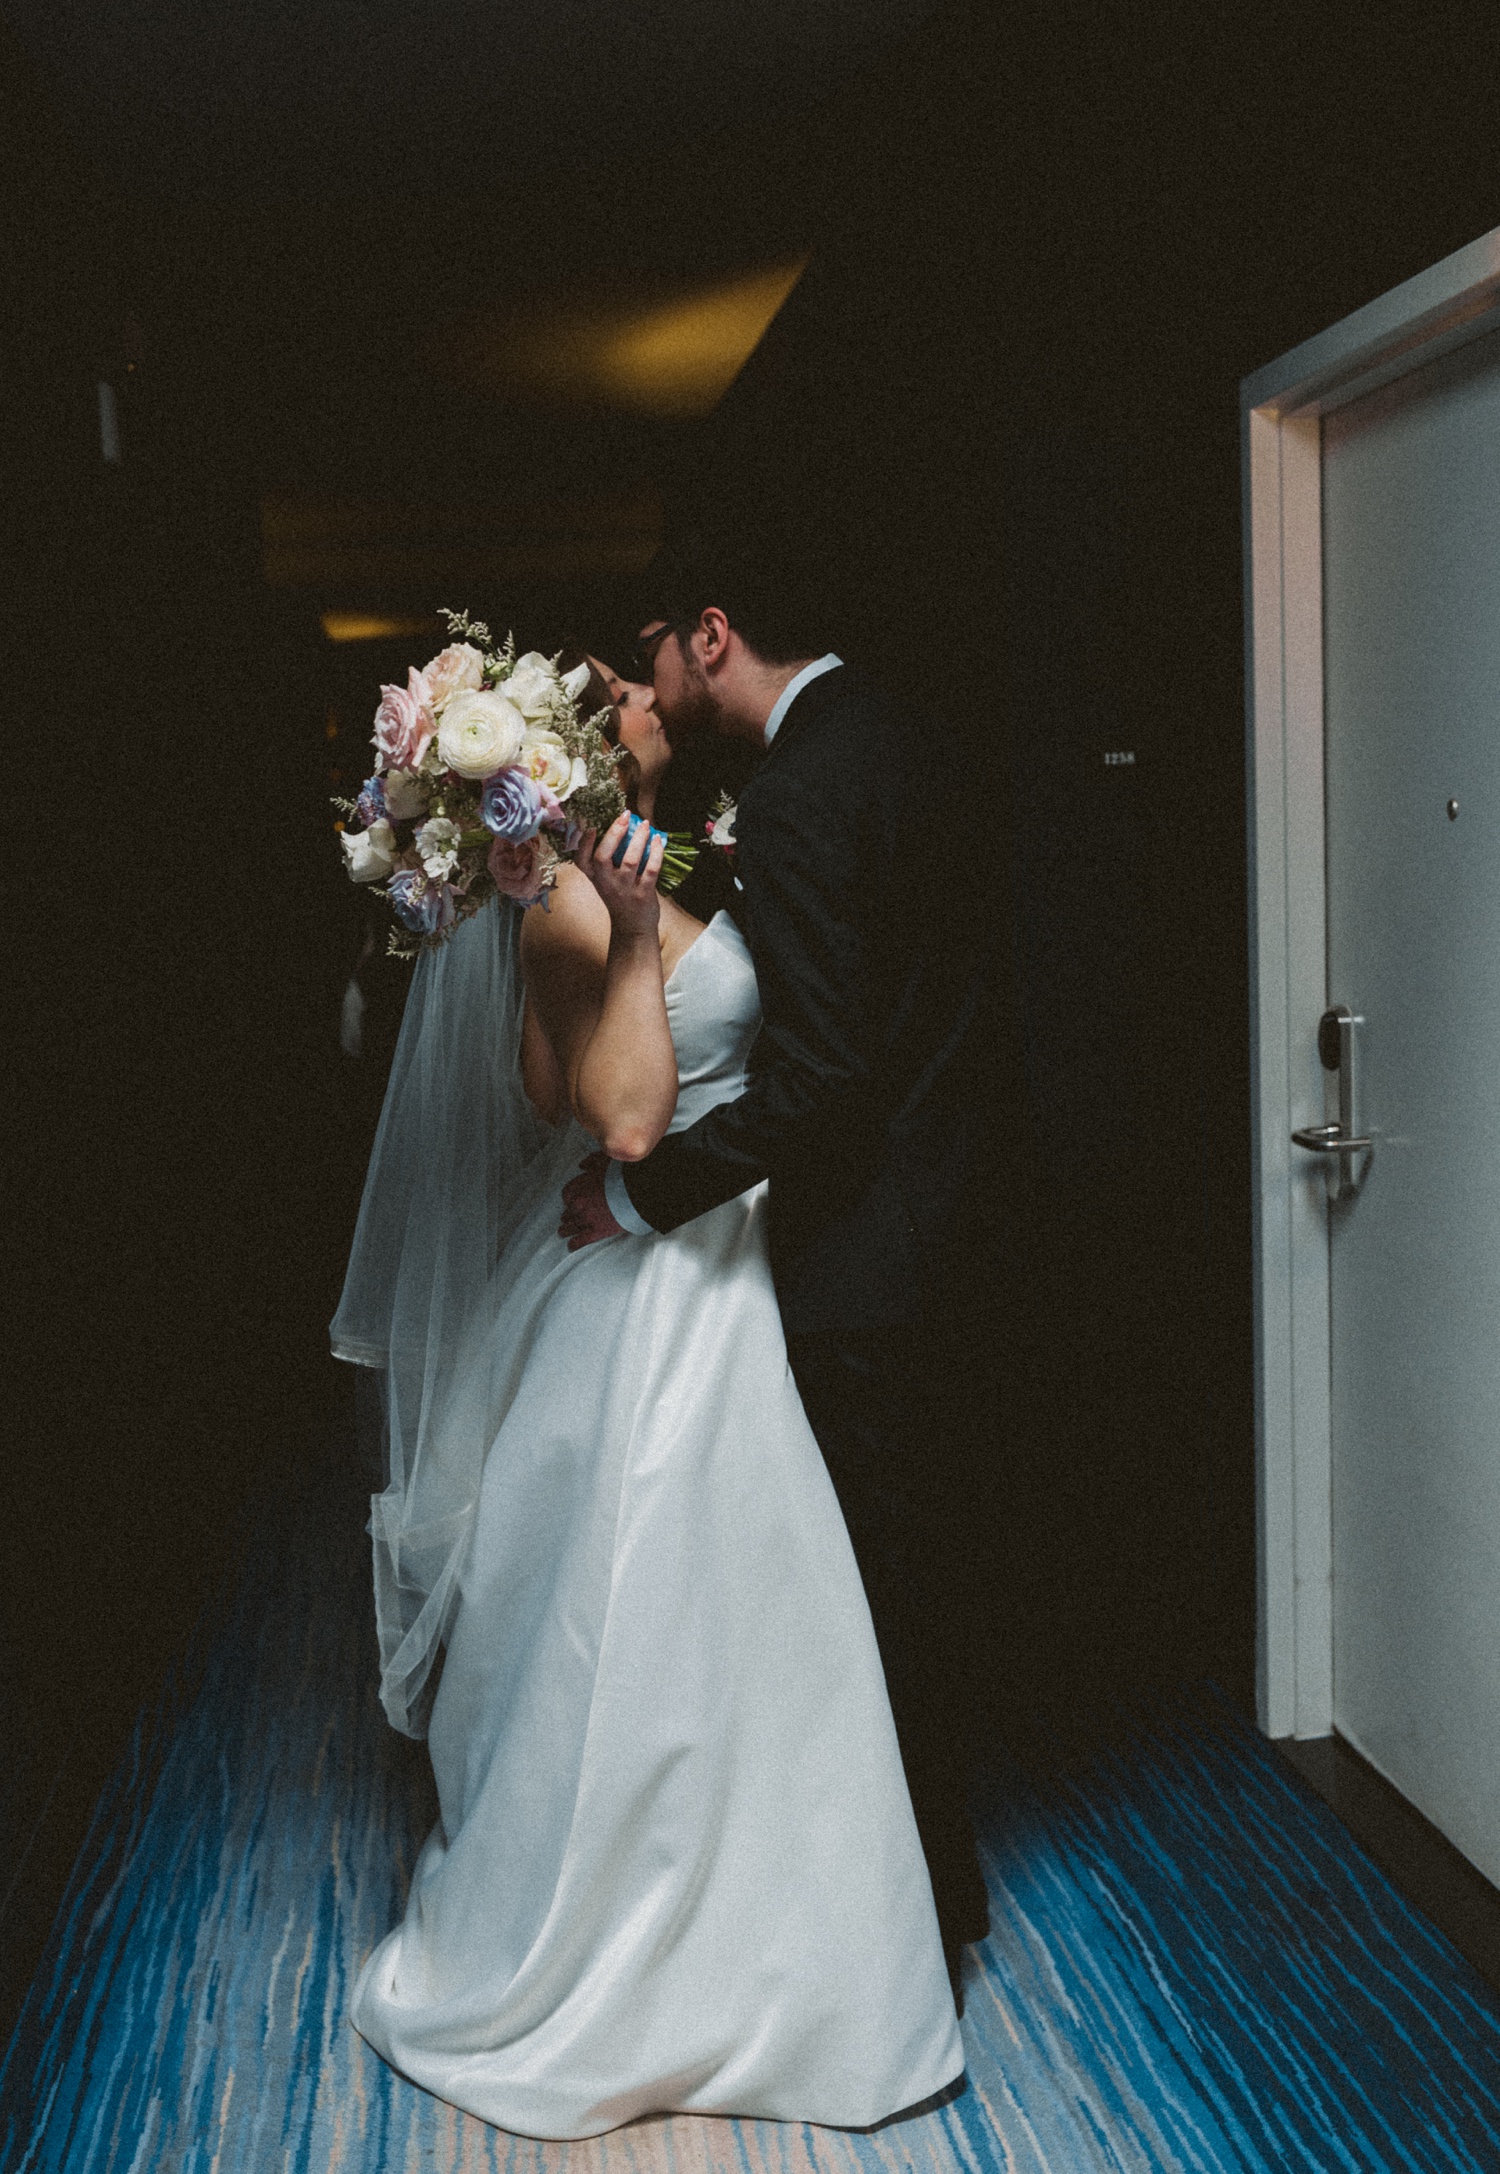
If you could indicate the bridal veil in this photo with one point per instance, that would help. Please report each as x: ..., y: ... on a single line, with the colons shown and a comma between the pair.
x: 451, y: 1173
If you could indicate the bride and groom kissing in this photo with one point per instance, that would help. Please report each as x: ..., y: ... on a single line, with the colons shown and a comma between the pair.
x: 693, y: 1537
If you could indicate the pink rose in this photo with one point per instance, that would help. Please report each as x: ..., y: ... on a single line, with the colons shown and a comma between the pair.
x: 404, y: 723
x: 517, y: 869
x: 459, y: 665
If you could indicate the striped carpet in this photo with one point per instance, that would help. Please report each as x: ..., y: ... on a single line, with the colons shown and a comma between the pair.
x: 1191, y: 1965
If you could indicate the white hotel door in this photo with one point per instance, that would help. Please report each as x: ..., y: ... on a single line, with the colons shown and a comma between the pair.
x: 1390, y: 500
x: 1411, y: 617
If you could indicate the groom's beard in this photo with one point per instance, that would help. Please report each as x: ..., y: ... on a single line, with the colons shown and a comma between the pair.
x: 693, y: 716
x: 692, y: 710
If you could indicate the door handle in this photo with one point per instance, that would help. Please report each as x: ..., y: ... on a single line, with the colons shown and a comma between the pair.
x: 1329, y: 1140
x: 1340, y: 1138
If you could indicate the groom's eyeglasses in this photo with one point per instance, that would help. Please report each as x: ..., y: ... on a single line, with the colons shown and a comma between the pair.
x: 646, y: 648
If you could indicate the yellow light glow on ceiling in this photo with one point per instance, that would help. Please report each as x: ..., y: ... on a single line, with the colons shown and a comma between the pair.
x: 364, y: 626
x: 682, y: 359
x: 663, y: 357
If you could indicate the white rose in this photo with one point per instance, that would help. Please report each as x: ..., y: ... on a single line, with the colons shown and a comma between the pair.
x: 533, y: 686
x: 437, y: 842
x: 458, y: 666
x: 546, y: 761
x: 480, y: 732
x: 370, y: 854
x: 404, y: 797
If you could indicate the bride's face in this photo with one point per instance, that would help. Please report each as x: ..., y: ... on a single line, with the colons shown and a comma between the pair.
x: 640, y: 727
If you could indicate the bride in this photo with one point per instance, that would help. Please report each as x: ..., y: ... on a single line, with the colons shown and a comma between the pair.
x: 675, y: 1867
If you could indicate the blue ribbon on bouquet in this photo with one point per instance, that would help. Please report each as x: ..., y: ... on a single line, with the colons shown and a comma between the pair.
x: 635, y: 822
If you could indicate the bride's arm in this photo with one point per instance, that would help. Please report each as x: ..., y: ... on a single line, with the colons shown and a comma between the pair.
x: 541, y: 1075
x: 592, y: 963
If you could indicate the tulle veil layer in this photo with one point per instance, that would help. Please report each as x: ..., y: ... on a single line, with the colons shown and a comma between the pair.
x: 457, y: 1159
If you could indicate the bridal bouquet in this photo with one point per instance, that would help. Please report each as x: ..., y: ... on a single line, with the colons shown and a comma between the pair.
x: 486, y: 777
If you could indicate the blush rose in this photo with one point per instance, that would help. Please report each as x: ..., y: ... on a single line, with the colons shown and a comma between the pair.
x: 453, y: 669
x: 404, y: 722
x: 516, y: 868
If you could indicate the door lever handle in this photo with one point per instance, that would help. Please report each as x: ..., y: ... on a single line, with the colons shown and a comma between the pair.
x: 1329, y: 1140
x: 1336, y: 1053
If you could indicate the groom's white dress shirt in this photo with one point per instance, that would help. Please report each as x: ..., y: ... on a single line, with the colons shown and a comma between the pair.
x: 617, y: 1199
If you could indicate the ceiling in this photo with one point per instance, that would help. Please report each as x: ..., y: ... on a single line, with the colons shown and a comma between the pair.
x: 196, y: 99
x: 469, y: 278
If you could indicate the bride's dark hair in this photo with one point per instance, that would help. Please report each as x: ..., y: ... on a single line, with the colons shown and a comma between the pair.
x: 596, y: 698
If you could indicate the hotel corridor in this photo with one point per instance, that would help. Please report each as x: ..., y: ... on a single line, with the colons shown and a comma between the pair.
x: 1191, y: 1966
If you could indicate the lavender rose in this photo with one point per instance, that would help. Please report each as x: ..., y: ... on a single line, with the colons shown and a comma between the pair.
x: 371, y: 805
x: 424, y: 907
x: 511, y: 805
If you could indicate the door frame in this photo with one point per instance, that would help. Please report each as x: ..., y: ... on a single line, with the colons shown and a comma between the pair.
x: 1281, y: 412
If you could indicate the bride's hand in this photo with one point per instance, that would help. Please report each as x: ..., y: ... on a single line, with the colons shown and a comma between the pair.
x: 623, y: 866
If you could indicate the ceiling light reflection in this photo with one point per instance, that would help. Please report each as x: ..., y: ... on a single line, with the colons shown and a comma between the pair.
x: 675, y: 358
x: 364, y: 626
x: 681, y: 360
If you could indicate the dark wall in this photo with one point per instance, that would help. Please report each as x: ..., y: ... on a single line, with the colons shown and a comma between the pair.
x: 169, y: 1127
x: 1001, y: 418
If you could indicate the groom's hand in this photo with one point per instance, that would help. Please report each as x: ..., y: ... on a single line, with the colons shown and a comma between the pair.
x: 586, y: 1214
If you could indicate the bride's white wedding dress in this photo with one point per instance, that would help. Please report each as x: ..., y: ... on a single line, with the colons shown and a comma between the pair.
x: 676, y: 1867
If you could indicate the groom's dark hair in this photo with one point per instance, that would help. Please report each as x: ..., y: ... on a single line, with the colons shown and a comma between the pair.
x: 751, y: 577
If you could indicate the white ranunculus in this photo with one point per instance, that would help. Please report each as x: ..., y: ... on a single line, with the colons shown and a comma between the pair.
x: 533, y: 686
x: 481, y: 732
x: 546, y: 761
x: 437, y: 843
x: 404, y: 796
x: 370, y: 854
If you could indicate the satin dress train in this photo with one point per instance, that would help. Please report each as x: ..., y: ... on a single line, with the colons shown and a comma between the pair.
x: 676, y: 1867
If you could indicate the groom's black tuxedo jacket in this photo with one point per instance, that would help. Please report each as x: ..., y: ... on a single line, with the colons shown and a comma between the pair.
x: 883, y: 1078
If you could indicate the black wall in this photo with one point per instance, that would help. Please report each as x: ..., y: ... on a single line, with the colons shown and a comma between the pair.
x: 1001, y: 413
x: 172, y: 1136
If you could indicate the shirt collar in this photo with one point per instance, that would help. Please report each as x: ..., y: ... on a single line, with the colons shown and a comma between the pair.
x: 793, y: 688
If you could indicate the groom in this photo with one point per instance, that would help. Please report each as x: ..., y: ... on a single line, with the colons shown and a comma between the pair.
x: 872, y: 1106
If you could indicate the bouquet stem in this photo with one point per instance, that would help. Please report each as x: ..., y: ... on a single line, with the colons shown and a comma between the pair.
x: 677, y: 860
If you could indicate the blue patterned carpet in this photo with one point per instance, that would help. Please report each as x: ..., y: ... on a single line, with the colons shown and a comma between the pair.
x: 1191, y: 1966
